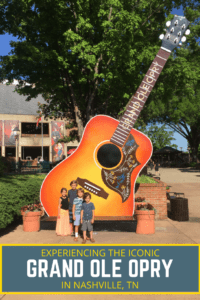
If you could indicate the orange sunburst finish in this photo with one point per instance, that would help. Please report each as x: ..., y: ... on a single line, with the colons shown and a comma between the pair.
x: 82, y: 164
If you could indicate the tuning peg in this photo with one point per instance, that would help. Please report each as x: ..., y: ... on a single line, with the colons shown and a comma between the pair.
x: 161, y: 36
x: 183, y: 39
x: 187, y: 32
x: 168, y: 23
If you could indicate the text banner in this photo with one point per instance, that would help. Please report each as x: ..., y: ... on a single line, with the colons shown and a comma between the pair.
x: 107, y: 268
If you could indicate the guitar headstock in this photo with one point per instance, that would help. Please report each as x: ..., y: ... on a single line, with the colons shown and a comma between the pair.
x: 174, y: 34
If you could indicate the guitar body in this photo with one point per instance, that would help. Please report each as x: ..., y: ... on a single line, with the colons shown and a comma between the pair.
x: 111, y: 187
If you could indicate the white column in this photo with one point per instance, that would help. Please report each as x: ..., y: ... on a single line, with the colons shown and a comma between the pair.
x: 3, y: 140
x: 19, y: 141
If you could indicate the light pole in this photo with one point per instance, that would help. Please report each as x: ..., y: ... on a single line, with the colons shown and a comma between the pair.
x: 16, y: 134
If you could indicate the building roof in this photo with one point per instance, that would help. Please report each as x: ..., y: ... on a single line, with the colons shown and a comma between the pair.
x: 166, y: 150
x: 14, y: 104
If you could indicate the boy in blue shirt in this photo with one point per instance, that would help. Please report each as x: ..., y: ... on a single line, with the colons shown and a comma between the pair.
x: 87, y: 217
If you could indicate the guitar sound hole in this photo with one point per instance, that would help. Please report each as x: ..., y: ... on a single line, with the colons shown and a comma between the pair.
x: 109, y: 155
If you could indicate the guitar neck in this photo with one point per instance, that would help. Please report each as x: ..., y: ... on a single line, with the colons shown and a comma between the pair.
x: 139, y: 98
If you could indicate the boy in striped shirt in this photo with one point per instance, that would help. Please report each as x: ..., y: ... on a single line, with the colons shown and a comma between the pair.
x: 76, y: 210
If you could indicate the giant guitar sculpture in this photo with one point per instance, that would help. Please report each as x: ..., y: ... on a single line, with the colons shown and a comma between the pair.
x: 111, y: 153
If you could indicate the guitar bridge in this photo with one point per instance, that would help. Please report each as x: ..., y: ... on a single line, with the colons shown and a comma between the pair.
x: 93, y: 188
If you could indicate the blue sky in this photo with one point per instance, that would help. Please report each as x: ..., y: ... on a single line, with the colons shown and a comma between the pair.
x: 5, y: 49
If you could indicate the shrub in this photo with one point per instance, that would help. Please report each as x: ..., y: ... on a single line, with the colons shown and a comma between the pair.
x: 2, y: 166
x: 7, y: 164
x: 193, y: 164
x: 32, y: 207
x: 146, y: 207
x: 145, y: 179
x: 185, y: 165
x: 140, y: 199
x: 173, y: 165
x: 15, y: 192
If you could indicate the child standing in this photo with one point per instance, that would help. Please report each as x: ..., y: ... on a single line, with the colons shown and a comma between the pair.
x: 87, y: 217
x: 72, y: 194
x: 62, y: 225
x: 76, y: 210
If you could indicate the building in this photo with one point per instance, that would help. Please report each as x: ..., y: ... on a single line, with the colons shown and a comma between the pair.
x: 16, y: 112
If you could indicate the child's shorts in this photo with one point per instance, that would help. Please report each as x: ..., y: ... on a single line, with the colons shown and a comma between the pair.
x: 87, y: 225
x: 77, y: 221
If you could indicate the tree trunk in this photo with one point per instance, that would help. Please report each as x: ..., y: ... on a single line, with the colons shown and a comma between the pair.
x: 194, y: 143
x: 195, y: 154
x: 76, y: 109
x: 79, y: 121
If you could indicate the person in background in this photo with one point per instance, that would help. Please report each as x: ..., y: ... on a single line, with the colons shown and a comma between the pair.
x: 62, y: 226
x: 157, y: 165
x: 151, y: 164
x: 76, y: 210
x: 72, y: 194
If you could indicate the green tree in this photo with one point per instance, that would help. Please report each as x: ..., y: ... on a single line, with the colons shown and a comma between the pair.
x: 175, y: 100
x: 159, y: 136
x: 180, y: 108
x: 85, y: 57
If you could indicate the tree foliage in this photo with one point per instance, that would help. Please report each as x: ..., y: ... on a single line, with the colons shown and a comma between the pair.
x: 176, y: 97
x: 85, y: 57
x: 159, y: 136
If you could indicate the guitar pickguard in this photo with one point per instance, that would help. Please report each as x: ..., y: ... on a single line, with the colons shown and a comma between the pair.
x: 119, y: 179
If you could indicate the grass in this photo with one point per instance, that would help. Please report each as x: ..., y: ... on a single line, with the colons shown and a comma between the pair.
x: 145, y: 179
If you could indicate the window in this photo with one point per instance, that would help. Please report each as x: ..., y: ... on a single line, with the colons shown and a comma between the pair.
x: 34, y: 152
x: 30, y: 128
x: 10, y: 151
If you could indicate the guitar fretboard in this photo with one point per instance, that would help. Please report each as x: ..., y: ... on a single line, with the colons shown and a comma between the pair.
x: 139, y: 98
